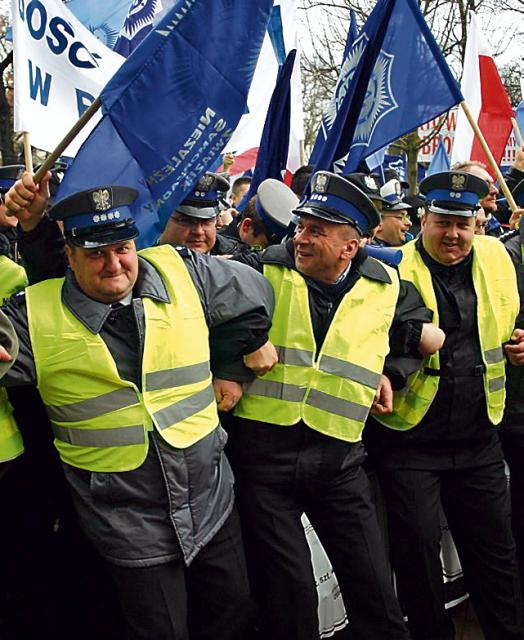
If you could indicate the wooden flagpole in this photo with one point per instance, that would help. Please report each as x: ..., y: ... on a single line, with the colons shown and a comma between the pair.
x: 28, y: 155
x: 511, y: 200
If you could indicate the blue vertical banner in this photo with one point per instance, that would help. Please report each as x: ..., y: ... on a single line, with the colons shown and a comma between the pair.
x: 274, y: 144
x: 172, y: 106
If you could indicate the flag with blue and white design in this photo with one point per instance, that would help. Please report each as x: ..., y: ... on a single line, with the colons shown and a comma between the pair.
x: 172, y: 106
x: 104, y: 19
x: 440, y: 161
x: 394, y: 79
x: 137, y: 25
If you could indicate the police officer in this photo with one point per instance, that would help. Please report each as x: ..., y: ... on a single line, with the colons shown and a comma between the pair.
x: 194, y: 223
x: 440, y: 444
x: 295, y: 436
x: 394, y: 219
x: 512, y: 427
x: 266, y: 217
x: 119, y: 350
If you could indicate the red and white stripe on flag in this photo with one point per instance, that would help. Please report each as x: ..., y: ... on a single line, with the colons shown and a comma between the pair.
x: 487, y: 99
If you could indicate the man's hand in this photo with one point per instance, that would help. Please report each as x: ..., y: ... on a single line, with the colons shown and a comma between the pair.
x: 515, y: 351
x: 262, y: 360
x: 227, y: 393
x: 431, y: 339
x: 383, y: 402
x: 515, y: 218
x: 27, y: 201
x: 4, y: 355
x: 229, y: 159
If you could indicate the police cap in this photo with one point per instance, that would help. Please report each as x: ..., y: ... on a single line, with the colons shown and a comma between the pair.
x: 518, y: 194
x: 369, y: 184
x: 454, y: 193
x: 97, y: 217
x: 9, y: 175
x: 335, y: 199
x: 391, y: 191
x: 203, y: 201
x: 274, y: 204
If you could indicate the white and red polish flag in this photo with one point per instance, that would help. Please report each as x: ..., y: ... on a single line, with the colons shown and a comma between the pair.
x: 487, y: 99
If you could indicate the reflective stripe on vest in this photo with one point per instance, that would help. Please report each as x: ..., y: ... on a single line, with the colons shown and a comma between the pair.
x: 99, y: 420
x: 12, y: 280
x: 495, y: 286
x: 331, y: 393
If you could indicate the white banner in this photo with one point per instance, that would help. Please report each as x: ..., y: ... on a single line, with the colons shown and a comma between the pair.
x: 448, y: 135
x: 60, y: 68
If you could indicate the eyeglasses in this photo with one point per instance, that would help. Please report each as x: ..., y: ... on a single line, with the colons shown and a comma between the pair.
x: 188, y: 221
x: 404, y: 217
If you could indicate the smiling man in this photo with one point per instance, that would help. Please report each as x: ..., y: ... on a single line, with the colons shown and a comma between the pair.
x: 295, y: 439
x: 440, y: 444
x: 123, y: 350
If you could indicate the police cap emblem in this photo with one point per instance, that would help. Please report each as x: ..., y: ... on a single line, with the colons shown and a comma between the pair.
x: 370, y: 182
x: 321, y: 183
x: 458, y: 182
x: 205, y: 183
x: 101, y: 199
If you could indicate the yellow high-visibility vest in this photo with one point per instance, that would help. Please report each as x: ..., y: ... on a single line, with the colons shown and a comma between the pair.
x: 498, y: 304
x: 12, y: 279
x: 100, y: 421
x: 331, y: 393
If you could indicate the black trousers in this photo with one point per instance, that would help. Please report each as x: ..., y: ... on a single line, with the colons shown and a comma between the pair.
x: 207, y: 600
x: 282, y: 472
x: 476, y: 504
x: 512, y: 439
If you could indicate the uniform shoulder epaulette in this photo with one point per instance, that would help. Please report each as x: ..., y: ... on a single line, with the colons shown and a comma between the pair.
x: 508, y: 235
x: 183, y: 251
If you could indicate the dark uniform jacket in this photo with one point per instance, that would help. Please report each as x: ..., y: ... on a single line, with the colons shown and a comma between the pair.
x: 176, y: 501
x: 514, y: 412
x: 456, y: 425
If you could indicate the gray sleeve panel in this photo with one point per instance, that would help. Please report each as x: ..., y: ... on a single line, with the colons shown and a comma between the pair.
x: 232, y: 289
x: 239, y: 304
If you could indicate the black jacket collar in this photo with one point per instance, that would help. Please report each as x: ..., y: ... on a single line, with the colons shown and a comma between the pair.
x: 93, y: 314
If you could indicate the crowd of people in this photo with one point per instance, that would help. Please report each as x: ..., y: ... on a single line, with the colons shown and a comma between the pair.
x: 204, y: 393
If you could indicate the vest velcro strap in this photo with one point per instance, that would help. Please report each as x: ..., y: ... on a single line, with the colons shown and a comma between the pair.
x: 496, y: 384
x: 119, y: 437
x: 291, y: 355
x: 93, y: 407
x: 331, y: 404
x: 350, y: 371
x: 278, y: 390
x: 168, y: 378
x: 492, y: 356
x: 185, y: 408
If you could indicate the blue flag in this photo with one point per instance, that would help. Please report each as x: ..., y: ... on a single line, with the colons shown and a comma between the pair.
x: 519, y: 116
x: 440, y: 161
x: 352, y: 33
x: 394, y: 79
x: 274, y: 144
x: 172, y: 106
x: 137, y: 25
x: 103, y: 18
